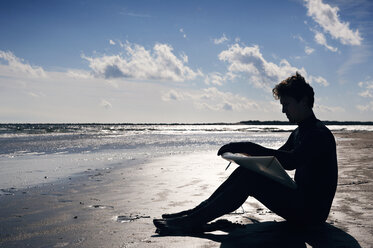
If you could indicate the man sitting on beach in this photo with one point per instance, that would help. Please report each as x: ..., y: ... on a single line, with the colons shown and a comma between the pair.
x: 310, y: 150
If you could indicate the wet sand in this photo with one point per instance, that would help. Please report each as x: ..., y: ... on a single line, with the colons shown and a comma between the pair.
x: 115, y: 208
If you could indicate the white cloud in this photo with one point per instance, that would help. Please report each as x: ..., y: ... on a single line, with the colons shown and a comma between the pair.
x: 182, y: 31
x: 216, y: 78
x: 308, y: 50
x: 220, y: 40
x: 106, y: 104
x: 132, y: 14
x: 368, y: 89
x: 366, y: 107
x: 172, y: 95
x: 262, y: 73
x: 299, y: 37
x: 35, y: 95
x: 214, y: 100
x: 319, y: 80
x: 17, y: 65
x: 357, y: 55
x: 112, y: 42
x: 327, y: 17
x: 184, y: 57
x: 367, y: 92
x: 320, y: 39
x: 160, y: 63
x: 79, y: 74
x: 328, y: 109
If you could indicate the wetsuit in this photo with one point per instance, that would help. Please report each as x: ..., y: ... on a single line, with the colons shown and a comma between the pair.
x: 311, y: 150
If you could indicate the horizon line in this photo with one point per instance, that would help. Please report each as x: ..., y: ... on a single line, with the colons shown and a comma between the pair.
x: 250, y: 122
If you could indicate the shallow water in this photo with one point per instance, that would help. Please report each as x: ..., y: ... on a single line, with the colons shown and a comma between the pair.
x: 33, y: 154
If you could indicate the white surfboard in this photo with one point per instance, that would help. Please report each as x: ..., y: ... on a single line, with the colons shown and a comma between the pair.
x: 266, y: 165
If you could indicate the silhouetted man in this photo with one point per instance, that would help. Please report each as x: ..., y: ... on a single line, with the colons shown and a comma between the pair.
x: 310, y: 150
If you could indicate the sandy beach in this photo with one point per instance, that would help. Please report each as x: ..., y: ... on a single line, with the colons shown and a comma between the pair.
x: 115, y: 207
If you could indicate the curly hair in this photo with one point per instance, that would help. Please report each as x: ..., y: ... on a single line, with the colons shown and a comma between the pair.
x: 296, y: 87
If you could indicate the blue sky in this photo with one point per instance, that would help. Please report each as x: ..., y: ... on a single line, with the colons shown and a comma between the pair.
x: 181, y: 61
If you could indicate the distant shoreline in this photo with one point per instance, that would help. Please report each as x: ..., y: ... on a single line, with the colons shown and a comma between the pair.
x: 345, y: 123
x: 253, y: 122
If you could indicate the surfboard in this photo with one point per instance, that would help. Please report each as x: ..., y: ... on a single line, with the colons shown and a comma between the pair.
x: 265, y: 165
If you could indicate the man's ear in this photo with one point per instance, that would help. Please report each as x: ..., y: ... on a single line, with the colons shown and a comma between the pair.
x: 304, y: 101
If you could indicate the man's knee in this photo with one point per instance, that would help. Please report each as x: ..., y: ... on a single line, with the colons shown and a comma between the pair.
x: 246, y: 177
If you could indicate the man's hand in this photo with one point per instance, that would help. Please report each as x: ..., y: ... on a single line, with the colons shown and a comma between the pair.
x: 231, y: 147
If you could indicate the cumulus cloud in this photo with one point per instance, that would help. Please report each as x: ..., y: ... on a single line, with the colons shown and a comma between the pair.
x: 328, y: 18
x: 262, y: 73
x: 112, y: 42
x: 213, y: 99
x: 249, y: 60
x: 184, y: 57
x: 216, y: 78
x: 319, y: 80
x: 78, y: 74
x: 320, y: 39
x: 18, y: 65
x: 220, y: 40
x: 160, y: 63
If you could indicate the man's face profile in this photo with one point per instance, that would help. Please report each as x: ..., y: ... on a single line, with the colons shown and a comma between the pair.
x: 293, y: 109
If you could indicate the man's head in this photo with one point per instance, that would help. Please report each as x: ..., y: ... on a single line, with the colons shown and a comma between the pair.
x: 296, y: 97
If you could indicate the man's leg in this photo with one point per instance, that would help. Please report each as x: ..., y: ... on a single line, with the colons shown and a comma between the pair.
x: 232, y: 181
x: 228, y: 197
x: 286, y: 202
x: 282, y: 200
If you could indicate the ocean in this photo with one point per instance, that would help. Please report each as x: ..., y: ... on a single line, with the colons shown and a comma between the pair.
x: 38, y: 154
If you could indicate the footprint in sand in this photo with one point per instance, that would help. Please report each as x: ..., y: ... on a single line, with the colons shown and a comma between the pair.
x: 130, y: 218
x: 101, y: 206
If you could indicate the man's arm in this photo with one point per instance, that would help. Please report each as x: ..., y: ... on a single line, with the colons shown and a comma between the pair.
x: 252, y: 148
x: 311, y: 146
x: 289, y: 145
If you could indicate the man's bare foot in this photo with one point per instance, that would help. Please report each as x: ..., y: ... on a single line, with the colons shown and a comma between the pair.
x: 179, y: 214
x: 185, y: 212
x: 177, y: 226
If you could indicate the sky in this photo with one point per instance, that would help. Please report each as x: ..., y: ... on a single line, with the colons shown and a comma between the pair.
x: 163, y: 61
